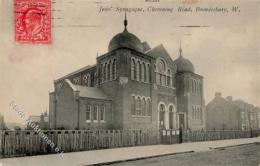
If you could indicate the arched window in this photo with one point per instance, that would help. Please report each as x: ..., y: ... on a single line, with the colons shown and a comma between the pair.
x: 133, y: 70
x: 162, y: 116
x: 163, y: 74
x: 95, y: 112
x: 193, y: 113
x: 195, y: 87
x: 76, y: 80
x: 88, y: 80
x: 196, y: 112
x: 200, y: 113
x: 138, y: 106
x: 114, y: 69
x: 104, y: 72
x: 149, y: 108
x: 145, y: 73
x: 199, y: 88
x: 133, y: 106
x: 143, y: 111
x: 108, y: 71
x: 137, y: 71
x: 169, y: 77
x: 142, y: 72
x: 161, y: 66
x: 148, y: 73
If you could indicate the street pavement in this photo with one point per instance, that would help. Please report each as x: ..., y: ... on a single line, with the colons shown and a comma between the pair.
x: 244, y: 155
x: 122, y: 154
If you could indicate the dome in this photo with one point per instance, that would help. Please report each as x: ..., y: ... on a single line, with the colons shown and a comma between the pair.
x: 125, y: 39
x: 184, y: 65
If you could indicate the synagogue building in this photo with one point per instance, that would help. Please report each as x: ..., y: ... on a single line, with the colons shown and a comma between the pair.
x: 132, y: 86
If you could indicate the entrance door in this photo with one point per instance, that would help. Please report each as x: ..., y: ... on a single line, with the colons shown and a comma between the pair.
x: 181, y: 121
x: 162, y: 116
x: 171, y: 118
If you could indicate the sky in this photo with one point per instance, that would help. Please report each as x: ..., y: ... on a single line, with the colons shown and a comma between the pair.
x: 225, y: 52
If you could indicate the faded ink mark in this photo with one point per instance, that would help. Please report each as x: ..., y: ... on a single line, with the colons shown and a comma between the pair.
x: 194, y: 26
x: 190, y: 1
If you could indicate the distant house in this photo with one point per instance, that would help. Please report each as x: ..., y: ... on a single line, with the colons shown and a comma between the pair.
x: 41, y: 120
x: 257, y: 109
x: 2, y: 123
x: 226, y: 113
x: 249, y: 115
x: 221, y: 114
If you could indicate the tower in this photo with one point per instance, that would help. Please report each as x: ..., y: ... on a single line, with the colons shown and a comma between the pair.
x: 189, y: 90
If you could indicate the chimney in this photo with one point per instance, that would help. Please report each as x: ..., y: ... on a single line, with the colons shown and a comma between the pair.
x: 229, y: 98
x: 42, y: 117
x: 217, y: 94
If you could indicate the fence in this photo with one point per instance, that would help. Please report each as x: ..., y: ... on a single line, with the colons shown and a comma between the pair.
x: 24, y: 143
x: 179, y: 136
x: 196, y: 136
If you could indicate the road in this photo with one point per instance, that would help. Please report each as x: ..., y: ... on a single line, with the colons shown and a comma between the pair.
x: 245, y: 155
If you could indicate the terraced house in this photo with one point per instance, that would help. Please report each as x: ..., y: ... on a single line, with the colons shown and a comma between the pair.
x: 132, y: 86
x: 226, y: 113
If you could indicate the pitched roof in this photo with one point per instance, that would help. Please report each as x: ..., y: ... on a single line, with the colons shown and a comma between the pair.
x: 76, y: 72
x: 90, y: 92
x: 35, y: 118
x: 157, y: 51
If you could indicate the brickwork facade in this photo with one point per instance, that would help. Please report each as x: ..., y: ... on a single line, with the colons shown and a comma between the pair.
x: 131, y: 87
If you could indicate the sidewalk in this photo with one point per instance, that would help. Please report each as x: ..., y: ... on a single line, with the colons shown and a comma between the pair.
x: 121, y: 154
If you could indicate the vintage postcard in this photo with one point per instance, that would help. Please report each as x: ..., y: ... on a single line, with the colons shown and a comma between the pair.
x: 129, y: 82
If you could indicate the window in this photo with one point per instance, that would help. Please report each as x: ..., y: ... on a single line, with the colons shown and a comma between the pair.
x: 196, y: 87
x: 88, y: 113
x: 200, y: 113
x: 161, y: 66
x: 163, y: 74
x: 142, y: 72
x: 169, y: 78
x: 148, y: 74
x: 102, y: 113
x: 138, y: 106
x: 193, y: 81
x: 108, y: 71
x: 114, y: 69
x: 133, y: 72
x: 162, y: 116
x: 95, y: 113
x: 143, y: 107
x: 87, y: 80
x: 138, y: 71
x: 103, y: 73
x: 193, y: 113
x: 149, y: 109
x: 145, y: 72
x: 76, y: 81
x: 133, y: 105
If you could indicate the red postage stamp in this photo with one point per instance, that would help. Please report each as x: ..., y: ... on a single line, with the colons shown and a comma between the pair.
x: 32, y: 21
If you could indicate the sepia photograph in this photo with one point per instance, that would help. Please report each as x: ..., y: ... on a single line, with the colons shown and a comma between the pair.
x: 129, y: 83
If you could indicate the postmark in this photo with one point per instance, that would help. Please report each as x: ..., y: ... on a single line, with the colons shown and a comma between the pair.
x: 32, y: 21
